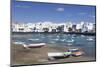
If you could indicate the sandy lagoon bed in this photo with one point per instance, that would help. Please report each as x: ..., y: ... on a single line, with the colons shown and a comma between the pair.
x: 22, y: 56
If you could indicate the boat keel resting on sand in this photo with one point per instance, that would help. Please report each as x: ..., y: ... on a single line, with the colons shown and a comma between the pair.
x: 34, y: 45
x: 58, y: 55
x: 70, y: 52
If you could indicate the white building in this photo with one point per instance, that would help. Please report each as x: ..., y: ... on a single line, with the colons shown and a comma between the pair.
x: 50, y: 27
x: 90, y: 27
x: 78, y: 26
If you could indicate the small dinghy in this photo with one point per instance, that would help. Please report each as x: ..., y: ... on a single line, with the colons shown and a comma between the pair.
x: 34, y: 45
x: 76, y: 52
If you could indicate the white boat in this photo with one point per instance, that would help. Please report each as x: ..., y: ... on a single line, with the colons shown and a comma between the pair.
x: 63, y: 39
x: 70, y: 40
x: 18, y: 42
x: 33, y: 39
x: 56, y: 39
x: 53, y: 54
x: 73, y: 49
x: 82, y: 36
x: 69, y: 44
x: 90, y: 39
x: 57, y: 55
x: 34, y: 45
x: 76, y: 52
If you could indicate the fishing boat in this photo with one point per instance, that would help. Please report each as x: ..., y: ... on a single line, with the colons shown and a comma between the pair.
x: 58, y: 55
x: 76, y: 52
x: 34, y: 45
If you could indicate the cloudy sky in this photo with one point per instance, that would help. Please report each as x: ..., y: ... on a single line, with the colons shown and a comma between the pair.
x: 39, y: 12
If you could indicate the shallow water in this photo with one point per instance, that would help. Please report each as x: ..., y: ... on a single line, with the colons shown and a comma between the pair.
x: 87, y: 43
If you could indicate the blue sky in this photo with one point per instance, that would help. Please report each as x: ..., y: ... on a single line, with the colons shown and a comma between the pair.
x: 28, y: 12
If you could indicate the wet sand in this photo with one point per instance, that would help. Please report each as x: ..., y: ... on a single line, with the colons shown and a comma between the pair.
x: 22, y: 56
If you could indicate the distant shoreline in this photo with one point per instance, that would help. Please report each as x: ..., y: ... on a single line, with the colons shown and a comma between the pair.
x: 77, y: 33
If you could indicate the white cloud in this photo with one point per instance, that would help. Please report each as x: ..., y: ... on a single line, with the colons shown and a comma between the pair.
x: 60, y: 9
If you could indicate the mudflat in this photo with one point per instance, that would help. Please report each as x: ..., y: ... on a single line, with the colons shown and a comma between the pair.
x: 22, y: 56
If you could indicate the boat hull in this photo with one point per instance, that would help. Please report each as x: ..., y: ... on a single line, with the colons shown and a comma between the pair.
x: 35, y: 46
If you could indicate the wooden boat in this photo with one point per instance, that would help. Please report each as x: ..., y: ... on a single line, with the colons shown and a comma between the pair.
x: 34, y: 45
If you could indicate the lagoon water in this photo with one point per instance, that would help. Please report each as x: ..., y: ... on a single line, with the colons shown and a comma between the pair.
x: 87, y: 43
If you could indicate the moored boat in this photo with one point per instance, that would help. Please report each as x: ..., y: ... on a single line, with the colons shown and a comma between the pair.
x: 76, y: 52
x: 90, y: 39
x: 58, y: 55
x: 34, y: 45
